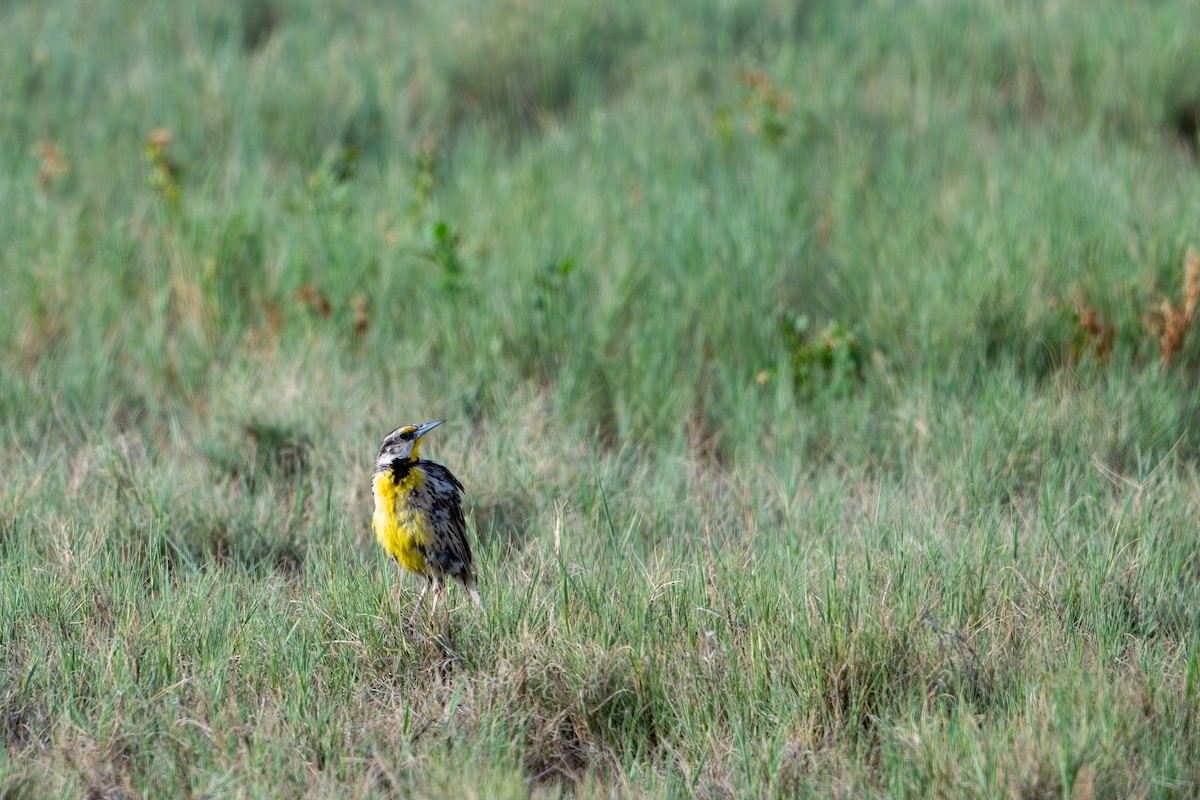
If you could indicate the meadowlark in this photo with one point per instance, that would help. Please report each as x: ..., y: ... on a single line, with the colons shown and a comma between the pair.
x: 418, y: 515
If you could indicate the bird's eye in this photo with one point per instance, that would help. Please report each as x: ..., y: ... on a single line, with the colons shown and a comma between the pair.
x: 406, y: 435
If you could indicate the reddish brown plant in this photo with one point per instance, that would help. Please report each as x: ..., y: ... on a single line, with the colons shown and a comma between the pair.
x: 1176, y: 321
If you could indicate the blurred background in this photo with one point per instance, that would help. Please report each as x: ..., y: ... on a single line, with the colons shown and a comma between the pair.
x: 650, y: 217
x: 796, y: 284
x: 656, y: 219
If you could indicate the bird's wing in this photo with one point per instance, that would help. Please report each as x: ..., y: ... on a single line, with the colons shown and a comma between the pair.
x: 456, y: 558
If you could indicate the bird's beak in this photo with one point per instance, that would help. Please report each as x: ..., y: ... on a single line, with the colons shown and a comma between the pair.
x: 426, y: 428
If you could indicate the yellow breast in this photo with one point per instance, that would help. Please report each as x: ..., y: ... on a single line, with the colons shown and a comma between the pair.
x: 400, y: 524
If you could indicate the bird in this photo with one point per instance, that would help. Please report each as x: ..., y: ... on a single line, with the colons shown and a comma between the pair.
x: 418, y: 516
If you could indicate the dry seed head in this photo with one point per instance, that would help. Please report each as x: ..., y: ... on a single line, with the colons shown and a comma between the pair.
x: 362, y: 314
x: 53, y: 163
x: 159, y: 139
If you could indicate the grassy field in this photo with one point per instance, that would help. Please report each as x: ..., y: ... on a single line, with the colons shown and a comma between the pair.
x: 819, y: 374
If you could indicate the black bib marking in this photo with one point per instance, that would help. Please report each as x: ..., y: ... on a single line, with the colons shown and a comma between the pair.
x: 400, y: 470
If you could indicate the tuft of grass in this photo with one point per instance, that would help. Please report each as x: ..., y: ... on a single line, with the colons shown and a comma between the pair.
x: 515, y: 68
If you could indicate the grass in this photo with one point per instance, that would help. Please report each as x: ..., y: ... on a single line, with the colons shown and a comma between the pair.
x: 807, y: 367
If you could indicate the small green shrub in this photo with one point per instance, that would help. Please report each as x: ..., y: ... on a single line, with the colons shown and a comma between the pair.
x: 443, y: 252
x: 767, y: 106
x: 425, y: 178
x: 829, y: 359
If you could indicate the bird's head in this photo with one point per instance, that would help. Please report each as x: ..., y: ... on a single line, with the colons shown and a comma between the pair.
x: 402, y: 444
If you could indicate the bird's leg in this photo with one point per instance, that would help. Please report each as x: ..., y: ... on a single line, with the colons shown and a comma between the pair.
x: 417, y: 608
x: 474, y: 590
x: 437, y: 595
